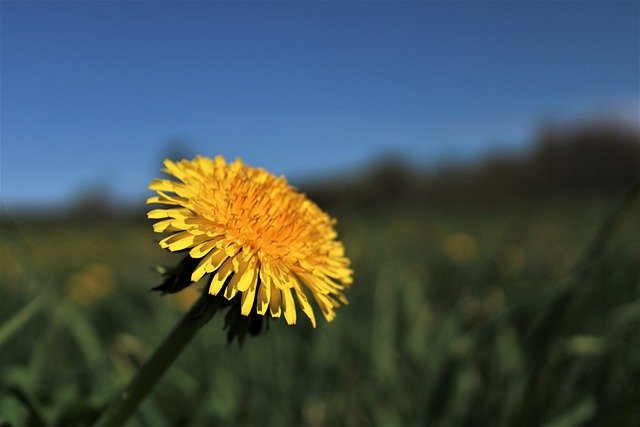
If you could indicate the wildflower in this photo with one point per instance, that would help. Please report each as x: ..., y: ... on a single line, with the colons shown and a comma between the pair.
x: 462, y: 248
x: 258, y: 241
x: 92, y: 284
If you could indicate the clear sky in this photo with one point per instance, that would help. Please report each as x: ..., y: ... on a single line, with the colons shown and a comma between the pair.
x: 92, y: 92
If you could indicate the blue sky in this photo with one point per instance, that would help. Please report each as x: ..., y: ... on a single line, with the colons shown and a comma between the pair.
x: 92, y: 93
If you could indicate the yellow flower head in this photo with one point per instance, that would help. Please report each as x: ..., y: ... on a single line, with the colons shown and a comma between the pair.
x: 254, y: 235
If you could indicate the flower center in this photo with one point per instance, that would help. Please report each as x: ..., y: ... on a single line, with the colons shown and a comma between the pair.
x: 264, y: 215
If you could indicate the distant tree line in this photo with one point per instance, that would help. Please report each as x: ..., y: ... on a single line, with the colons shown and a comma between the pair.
x: 594, y: 158
x: 561, y: 160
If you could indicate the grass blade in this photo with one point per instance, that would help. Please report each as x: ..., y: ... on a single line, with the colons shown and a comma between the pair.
x: 14, y: 324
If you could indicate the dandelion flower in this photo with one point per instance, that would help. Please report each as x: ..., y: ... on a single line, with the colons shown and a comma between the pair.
x: 254, y: 237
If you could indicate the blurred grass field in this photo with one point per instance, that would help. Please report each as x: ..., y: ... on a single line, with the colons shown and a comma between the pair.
x: 510, y: 313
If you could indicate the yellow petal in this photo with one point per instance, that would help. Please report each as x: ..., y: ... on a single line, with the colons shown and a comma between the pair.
x: 190, y: 222
x: 209, y: 264
x: 173, y: 169
x: 264, y: 293
x: 279, y: 279
x: 202, y: 249
x: 239, y: 269
x: 216, y: 261
x: 166, y: 199
x: 231, y: 290
x: 205, y: 164
x: 249, y: 276
x: 326, y: 306
x: 169, y: 213
x: 181, y: 241
x: 164, y: 243
x: 161, y: 200
x: 275, y: 307
x: 187, y: 243
x: 163, y: 226
x: 304, y: 303
x: 201, y: 269
x: 158, y: 213
x: 343, y: 299
x: 315, y: 283
x: 164, y: 185
x: 289, y: 307
x: 218, y: 279
x: 248, y: 297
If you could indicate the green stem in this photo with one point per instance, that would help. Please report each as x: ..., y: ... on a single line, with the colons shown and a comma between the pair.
x: 123, y: 406
x: 13, y: 325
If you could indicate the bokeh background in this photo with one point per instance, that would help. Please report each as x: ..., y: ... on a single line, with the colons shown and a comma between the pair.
x: 482, y: 160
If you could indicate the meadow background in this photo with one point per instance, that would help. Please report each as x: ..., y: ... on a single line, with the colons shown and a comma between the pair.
x: 482, y: 160
x: 475, y: 302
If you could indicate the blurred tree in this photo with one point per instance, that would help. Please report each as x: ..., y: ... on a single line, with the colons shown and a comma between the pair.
x: 596, y: 157
x: 95, y: 201
x: 391, y: 178
x: 586, y: 158
x: 176, y: 149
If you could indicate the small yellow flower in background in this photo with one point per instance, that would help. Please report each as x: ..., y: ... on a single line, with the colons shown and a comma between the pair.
x: 254, y: 235
x: 461, y: 248
x: 93, y: 283
x: 586, y: 345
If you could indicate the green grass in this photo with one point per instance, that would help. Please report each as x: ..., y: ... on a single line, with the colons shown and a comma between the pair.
x: 500, y: 314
